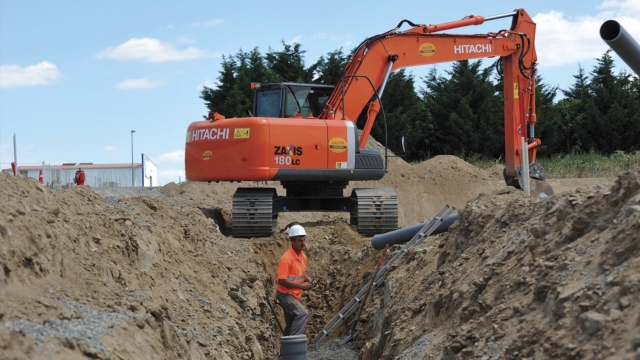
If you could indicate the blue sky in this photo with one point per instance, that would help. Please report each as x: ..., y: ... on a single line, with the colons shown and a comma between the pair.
x: 77, y: 76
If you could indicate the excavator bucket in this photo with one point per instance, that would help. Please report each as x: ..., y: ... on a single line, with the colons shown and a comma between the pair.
x: 538, y: 186
x: 537, y: 183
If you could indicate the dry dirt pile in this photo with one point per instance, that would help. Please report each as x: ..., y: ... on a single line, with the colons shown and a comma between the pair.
x: 153, y: 275
x: 519, y: 277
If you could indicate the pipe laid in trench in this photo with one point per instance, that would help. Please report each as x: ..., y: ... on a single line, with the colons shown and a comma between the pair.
x: 403, y: 235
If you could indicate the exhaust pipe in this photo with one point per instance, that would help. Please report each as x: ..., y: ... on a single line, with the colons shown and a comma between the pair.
x: 622, y: 43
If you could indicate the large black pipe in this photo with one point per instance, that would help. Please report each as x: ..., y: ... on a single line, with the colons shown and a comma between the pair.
x: 403, y: 235
x: 622, y: 43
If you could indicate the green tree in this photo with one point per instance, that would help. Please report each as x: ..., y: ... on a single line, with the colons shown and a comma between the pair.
x: 402, y: 107
x: 607, y: 95
x: 329, y: 68
x: 568, y: 131
x: 466, y: 111
x: 631, y: 126
x: 288, y: 64
x: 547, y: 118
x: 233, y: 96
x: 575, y: 112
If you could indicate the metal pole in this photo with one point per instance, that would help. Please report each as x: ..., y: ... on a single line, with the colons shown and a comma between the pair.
x: 15, y: 154
x: 525, y: 167
x: 132, y: 176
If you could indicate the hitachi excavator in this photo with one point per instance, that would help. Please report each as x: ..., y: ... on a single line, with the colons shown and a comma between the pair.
x: 304, y: 135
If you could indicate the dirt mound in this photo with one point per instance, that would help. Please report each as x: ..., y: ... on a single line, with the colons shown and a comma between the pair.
x: 520, y: 278
x: 151, y: 274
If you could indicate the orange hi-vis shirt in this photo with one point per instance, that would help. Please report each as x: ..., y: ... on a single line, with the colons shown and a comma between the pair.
x: 293, y: 268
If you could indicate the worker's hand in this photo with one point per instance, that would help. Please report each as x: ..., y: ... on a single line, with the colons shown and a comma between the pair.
x: 306, y: 286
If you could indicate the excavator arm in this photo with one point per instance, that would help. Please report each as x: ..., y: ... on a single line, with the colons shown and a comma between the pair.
x: 364, y: 78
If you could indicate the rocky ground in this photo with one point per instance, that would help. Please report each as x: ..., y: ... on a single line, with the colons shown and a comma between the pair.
x: 153, y: 274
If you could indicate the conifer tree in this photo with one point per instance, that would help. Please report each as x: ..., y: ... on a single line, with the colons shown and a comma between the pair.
x: 288, y: 64
x: 328, y: 69
x: 466, y: 111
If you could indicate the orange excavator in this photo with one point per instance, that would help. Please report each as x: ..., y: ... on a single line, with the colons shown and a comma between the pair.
x: 304, y: 135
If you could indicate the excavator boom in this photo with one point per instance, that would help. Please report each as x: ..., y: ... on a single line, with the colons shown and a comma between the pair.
x: 368, y: 70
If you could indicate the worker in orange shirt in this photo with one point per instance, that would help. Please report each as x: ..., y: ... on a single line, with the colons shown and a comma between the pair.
x: 292, y: 280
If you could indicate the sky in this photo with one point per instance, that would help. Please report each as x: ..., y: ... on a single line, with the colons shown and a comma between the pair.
x: 77, y: 76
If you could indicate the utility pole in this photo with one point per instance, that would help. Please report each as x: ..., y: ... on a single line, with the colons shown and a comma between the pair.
x: 132, y: 173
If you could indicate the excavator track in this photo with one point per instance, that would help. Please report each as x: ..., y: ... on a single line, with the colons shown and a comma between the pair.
x: 252, y: 212
x: 376, y: 212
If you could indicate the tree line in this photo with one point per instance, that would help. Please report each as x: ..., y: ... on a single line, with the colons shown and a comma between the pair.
x: 459, y: 112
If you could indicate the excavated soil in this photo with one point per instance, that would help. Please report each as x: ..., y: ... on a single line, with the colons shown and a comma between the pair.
x: 153, y: 274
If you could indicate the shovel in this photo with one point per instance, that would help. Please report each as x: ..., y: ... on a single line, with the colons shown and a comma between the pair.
x: 364, y: 301
x: 275, y: 315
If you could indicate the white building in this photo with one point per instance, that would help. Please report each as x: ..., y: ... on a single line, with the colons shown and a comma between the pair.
x: 96, y: 175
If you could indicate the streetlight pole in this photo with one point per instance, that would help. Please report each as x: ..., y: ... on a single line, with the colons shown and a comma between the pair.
x: 132, y: 173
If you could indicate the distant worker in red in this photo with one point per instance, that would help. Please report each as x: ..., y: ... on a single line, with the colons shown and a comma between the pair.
x: 79, y: 178
x: 292, y: 279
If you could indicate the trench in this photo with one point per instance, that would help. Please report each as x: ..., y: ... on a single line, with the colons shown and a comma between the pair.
x: 339, y: 267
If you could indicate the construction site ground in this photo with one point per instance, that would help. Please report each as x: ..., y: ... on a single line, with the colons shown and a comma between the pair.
x: 154, y: 274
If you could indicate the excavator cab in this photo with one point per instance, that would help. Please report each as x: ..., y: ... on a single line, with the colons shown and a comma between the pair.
x: 290, y: 100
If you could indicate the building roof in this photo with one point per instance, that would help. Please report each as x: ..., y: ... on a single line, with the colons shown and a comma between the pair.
x: 68, y: 166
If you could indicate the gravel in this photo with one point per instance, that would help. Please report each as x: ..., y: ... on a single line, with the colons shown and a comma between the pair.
x: 332, y: 350
x: 82, y: 331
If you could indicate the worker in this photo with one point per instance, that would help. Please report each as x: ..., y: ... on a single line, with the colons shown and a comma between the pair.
x: 79, y: 178
x: 292, y: 280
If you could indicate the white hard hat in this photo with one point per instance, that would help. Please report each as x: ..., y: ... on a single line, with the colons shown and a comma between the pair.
x: 296, y: 230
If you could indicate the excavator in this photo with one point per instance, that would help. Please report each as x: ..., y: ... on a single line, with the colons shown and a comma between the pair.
x: 304, y: 135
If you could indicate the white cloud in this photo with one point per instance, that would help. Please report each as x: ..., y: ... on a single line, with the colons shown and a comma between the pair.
x: 628, y: 7
x: 212, y: 22
x: 110, y: 148
x: 320, y: 35
x: 186, y: 39
x: 166, y: 176
x: 212, y: 84
x: 174, y: 156
x: 563, y: 40
x: 295, y: 40
x: 325, y: 36
x: 140, y: 84
x: 153, y: 50
x: 44, y: 73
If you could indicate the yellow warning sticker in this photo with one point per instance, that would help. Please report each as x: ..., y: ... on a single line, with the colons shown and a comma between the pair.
x: 207, y: 155
x: 188, y: 136
x: 338, y: 145
x: 427, y: 49
x: 241, y: 133
x: 341, y: 165
x: 515, y: 90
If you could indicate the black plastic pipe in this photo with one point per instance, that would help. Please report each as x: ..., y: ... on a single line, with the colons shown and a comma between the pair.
x: 622, y: 43
x: 403, y: 235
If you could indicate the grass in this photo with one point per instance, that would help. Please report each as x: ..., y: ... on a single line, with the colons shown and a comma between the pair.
x: 587, y: 165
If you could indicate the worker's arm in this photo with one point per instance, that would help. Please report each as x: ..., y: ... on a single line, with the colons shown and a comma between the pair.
x: 292, y: 285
